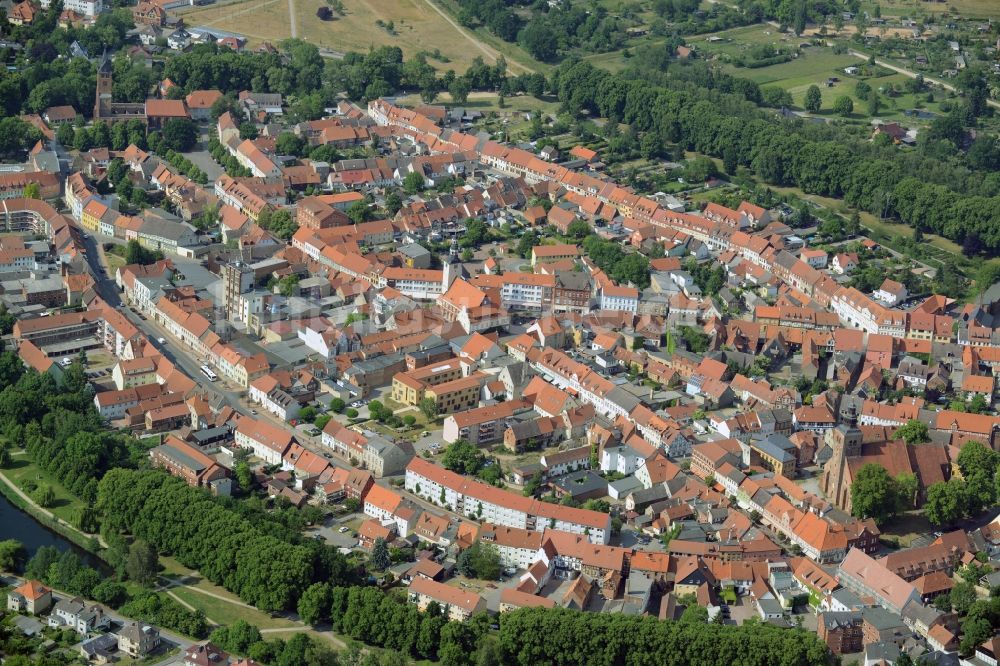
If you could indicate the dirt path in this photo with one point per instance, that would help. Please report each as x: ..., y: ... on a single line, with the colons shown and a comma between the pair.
x: 487, y: 50
x: 293, y: 20
x: 913, y: 75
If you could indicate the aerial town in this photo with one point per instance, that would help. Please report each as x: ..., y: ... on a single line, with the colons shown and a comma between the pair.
x: 478, y: 376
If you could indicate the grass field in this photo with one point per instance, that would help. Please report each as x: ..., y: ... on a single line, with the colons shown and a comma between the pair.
x: 487, y: 101
x: 417, y: 27
x: 967, y: 8
x: 22, y: 470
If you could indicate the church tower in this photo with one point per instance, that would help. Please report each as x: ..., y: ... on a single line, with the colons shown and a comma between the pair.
x: 845, y: 440
x: 102, y: 102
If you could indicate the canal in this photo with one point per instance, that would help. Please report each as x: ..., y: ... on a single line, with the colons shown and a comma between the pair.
x: 16, y: 524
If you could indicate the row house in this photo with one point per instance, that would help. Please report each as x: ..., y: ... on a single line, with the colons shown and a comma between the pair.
x: 266, y: 441
x: 500, y: 507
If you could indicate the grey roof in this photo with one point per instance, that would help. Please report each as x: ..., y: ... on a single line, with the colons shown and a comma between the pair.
x: 179, y: 458
x: 836, y: 619
x: 413, y: 250
x: 882, y: 619
x: 172, y: 231
x: 581, y: 483
x: 847, y: 598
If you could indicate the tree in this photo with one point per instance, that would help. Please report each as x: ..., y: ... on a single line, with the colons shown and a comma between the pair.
x: 409, y: 420
x: 12, y: 555
x: 540, y: 40
x: 359, y: 211
x: 290, y: 144
x: 110, y: 593
x: 180, y: 134
x: 429, y: 407
x: 314, y: 604
x: 459, y: 90
x: 463, y: 457
x: 143, y: 565
x: 962, y: 597
x: 578, y: 229
x: 913, y: 432
x: 945, y: 502
x: 873, y: 494
x: 843, y: 106
x: 380, y: 555
x: 393, y: 203
x: 814, y: 99
x: 32, y: 191
x: 248, y: 130
x: 337, y: 405
x: 481, y: 560
x: 413, y: 182
x: 44, y: 496
x: 874, y: 104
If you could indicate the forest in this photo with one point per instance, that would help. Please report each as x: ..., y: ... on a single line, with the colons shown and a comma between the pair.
x: 266, y: 566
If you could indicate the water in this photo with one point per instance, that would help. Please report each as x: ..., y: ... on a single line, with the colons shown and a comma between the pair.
x: 16, y: 524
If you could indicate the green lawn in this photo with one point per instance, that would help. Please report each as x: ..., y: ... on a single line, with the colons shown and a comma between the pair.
x: 22, y: 471
x: 907, y: 527
x: 814, y: 66
x: 223, y: 612
x: 487, y: 101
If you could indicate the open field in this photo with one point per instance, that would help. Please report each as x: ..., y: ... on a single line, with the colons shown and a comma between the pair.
x: 487, y: 101
x: 417, y: 27
x: 814, y: 66
x: 967, y: 8
x: 22, y: 470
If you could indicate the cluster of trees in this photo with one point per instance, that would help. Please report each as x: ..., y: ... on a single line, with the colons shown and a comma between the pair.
x: 16, y: 137
x: 228, y: 548
x: 561, y: 636
x: 977, y: 489
x: 714, y: 117
x: 118, y: 178
x: 59, y: 426
x: 186, y: 167
x: 366, y: 614
x: 695, y: 339
x: 709, y: 276
x: 685, y: 19
x: 481, y: 560
x: 163, y: 611
x: 465, y: 458
x: 179, y: 134
x: 63, y: 570
x: 876, y: 495
x: 135, y: 253
x: 547, y: 30
x: 620, y: 266
x: 279, y: 222
x: 245, y: 639
x: 226, y: 160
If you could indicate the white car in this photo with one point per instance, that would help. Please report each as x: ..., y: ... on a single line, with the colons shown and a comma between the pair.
x: 342, y: 529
